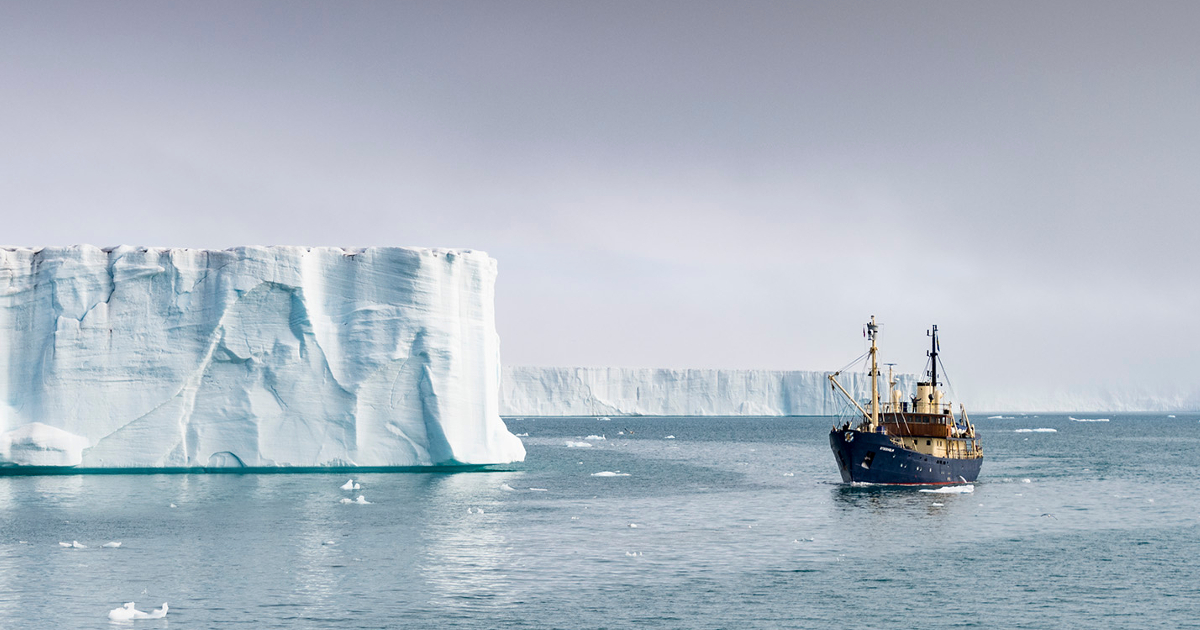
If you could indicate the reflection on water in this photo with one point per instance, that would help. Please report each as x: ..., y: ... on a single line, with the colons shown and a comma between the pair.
x: 465, y: 555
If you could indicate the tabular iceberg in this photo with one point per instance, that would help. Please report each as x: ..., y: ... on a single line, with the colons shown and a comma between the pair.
x: 584, y: 391
x: 249, y: 357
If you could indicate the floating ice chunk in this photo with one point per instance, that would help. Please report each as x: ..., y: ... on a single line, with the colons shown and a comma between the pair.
x: 595, y: 437
x: 173, y: 505
x: 605, y: 419
x: 538, y: 490
x: 950, y: 489
x: 609, y: 473
x: 1038, y: 430
x: 522, y: 435
x: 1089, y: 419
x: 578, y: 444
x: 361, y: 500
x: 507, y: 488
x: 129, y: 613
x: 111, y: 545
x: 346, y: 501
x: 669, y: 437
x: 350, y: 485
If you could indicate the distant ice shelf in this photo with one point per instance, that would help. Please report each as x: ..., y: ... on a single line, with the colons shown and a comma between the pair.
x: 249, y: 357
x: 612, y: 391
x: 588, y: 391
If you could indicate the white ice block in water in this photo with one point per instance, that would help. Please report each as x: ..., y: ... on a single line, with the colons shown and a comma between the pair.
x: 129, y: 613
x: 249, y: 357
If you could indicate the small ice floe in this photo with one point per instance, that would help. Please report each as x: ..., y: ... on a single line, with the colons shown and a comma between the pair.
x: 350, y: 485
x: 789, y: 474
x: 595, y: 437
x: 669, y: 437
x: 605, y: 419
x: 633, y: 526
x: 1089, y: 419
x: 507, y: 488
x: 172, y: 506
x: 571, y: 444
x: 129, y: 613
x: 74, y: 544
x: 1037, y: 430
x: 609, y: 473
x: 937, y: 504
x: 345, y: 501
x: 111, y: 545
x: 950, y: 489
x: 522, y: 435
x: 361, y: 500
x: 539, y: 490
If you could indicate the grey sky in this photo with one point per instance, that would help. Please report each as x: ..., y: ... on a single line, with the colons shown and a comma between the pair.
x: 664, y: 184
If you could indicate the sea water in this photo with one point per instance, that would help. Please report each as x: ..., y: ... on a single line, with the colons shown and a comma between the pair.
x: 733, y: 522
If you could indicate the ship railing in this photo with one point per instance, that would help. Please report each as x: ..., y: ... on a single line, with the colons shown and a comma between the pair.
x: 943, y: 409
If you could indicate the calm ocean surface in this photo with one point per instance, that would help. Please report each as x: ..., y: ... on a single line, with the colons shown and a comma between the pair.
x: 740, y: 522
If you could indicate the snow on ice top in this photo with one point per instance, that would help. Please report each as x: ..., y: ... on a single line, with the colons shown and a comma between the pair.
x: 252, y: 356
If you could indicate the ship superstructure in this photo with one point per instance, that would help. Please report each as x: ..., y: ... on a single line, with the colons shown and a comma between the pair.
x: 905, y: 440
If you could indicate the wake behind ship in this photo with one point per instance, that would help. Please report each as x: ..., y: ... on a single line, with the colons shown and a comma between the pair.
x: 916, y: 441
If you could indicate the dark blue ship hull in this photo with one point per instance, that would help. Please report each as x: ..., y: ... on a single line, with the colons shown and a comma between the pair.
x: 873, y: 458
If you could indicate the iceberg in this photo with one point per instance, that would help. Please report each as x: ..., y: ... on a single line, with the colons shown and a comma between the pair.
x: 258, y: 357
x: 600, y: 391
x: 615, y: 391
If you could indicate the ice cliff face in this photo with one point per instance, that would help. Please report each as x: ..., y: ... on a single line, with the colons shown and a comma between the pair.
x: 254, y: 356
x: 579, y: 391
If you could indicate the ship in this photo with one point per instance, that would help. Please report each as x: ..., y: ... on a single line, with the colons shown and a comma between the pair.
x: 915, y: 440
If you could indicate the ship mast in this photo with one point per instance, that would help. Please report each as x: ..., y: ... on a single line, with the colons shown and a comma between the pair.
x: 873, y: 329
x: 933, y: 352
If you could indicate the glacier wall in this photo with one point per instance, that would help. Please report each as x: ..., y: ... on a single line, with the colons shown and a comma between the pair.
x: 253, y: 356
x: 600, y: 391
x: 587, y: 391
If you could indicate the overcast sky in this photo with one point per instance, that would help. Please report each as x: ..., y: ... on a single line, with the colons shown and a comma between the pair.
x: 675, y: 184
